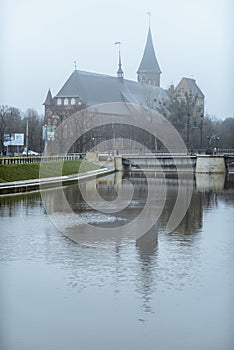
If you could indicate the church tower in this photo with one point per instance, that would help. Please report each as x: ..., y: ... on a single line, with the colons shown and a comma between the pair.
x: 149, y: 71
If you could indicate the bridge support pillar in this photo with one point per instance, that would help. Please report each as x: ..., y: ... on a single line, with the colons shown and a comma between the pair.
x: 210, y: 164
x: 118, y: 163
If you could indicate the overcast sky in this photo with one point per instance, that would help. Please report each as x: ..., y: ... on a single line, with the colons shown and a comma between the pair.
x: 41, y: 39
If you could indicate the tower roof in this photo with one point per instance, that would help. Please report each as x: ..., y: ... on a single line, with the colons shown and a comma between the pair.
x: 149, y: 61
x: 120, y: 72
x: 188, y: 84
x: 49, y: 99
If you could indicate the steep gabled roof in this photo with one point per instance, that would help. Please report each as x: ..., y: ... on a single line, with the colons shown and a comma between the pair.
x: 149, y: 61
x: 71, y: 87
x: 94, y: 89
x: 91, y: 88
x: 189, y: 84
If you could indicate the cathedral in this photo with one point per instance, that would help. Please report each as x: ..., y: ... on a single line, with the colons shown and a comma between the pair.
x: 86, y: 89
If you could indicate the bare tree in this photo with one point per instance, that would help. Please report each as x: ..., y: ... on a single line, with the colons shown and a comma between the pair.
x: 4, y: 110
x: 10, y: 122
x: 35, y: 129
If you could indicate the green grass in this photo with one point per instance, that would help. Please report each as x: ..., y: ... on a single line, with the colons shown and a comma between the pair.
x: 16, y: 172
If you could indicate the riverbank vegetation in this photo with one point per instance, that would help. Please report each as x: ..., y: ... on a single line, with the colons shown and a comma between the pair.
x: 17, y: 172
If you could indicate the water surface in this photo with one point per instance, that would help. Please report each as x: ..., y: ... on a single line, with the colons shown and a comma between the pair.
x: 164, y: 291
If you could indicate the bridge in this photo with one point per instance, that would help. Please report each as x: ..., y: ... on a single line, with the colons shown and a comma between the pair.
x: 128, y: 160
x: 168, y: 162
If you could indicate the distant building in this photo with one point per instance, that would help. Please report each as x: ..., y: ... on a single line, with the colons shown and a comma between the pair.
x: 86, y: 89
x: 187, y: 88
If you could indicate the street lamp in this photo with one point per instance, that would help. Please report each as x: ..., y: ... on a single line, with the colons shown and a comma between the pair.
x: 61, y: 117
x: 188, y: 130
x: 201, y: 131
x: 214, y: 139
x: 155, y: 143
x: 91, y: 143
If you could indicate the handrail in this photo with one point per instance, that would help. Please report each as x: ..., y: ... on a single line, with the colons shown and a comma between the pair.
x: 38, y: 159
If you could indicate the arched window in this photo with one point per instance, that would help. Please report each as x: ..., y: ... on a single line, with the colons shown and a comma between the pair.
x: 66, y: 101
x: 73, y: 101
x: 59, y: 101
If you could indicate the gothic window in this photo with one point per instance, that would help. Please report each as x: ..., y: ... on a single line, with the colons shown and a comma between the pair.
x: 73, y: 101
x: 66, y: 102
x: 59, y: 101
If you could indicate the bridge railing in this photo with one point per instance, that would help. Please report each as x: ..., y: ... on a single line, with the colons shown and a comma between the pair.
x: 38, y: 159
x: 226, y: 151
x: 177, y: 152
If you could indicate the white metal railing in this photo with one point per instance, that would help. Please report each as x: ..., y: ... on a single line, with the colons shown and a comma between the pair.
x: 38, y: 159
x: 123, y: 153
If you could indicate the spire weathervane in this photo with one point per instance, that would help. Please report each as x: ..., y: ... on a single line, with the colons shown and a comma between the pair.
x: 118, y: 43
x: 149, y: 14
x: 75, y: 65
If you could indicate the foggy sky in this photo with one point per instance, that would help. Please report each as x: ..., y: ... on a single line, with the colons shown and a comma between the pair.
x: 41, y: 39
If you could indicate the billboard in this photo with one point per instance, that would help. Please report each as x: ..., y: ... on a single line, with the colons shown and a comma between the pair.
x: 48, y: 133
x: 13, y: 140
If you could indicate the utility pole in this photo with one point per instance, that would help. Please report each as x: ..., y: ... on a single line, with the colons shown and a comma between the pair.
x: 27, y: 138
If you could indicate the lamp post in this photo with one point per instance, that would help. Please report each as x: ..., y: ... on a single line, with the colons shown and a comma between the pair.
x: 188, y: 130
x: 91, y: 143
x: 45, y: 138
x: 214, y: 139
x: 201, y: 131
x: 155, y: 144
x: 27, y: 138
x: 61, y: 135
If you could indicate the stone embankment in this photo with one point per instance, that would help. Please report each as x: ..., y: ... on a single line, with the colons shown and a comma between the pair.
x: 19, y: 187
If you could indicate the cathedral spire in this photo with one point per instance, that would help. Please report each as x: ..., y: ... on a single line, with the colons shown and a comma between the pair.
x: 120, y: 73
x: 149, y: 71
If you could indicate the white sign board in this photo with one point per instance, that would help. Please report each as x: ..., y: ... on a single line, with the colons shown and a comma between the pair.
x: 13, y: 140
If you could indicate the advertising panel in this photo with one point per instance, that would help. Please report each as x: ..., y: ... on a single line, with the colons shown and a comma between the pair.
x: 50, y: 133
x: 13, y: 140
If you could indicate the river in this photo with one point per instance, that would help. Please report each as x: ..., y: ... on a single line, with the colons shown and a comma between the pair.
x: 164, y: 290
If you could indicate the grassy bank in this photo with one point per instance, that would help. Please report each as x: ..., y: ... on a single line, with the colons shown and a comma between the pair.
x: 16, y: 172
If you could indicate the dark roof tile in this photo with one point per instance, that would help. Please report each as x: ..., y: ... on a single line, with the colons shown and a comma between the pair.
x: 149, y: 61
x: 93, y: 89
